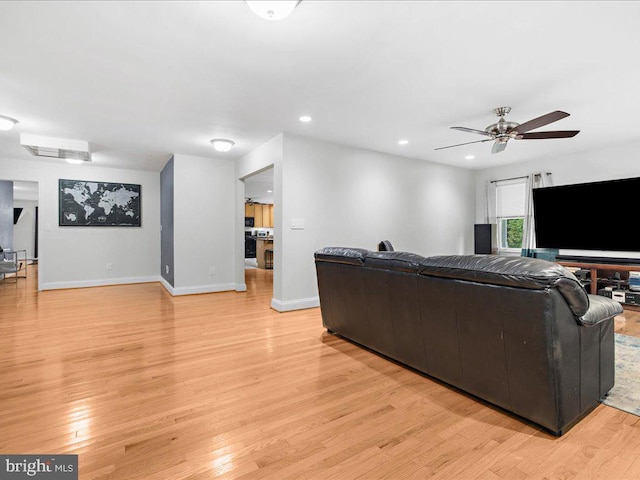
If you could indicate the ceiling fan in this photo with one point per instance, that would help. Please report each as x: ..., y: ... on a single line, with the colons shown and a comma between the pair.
x: 502, y: 131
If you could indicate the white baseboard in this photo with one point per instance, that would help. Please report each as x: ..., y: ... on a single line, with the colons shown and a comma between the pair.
x: 103, y: 282
x: 221, y: 287
x: 241, y: 287
x: 299, y: 304
x: 167, y: 286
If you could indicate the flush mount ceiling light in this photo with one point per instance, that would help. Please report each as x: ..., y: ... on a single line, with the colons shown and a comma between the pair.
x: 305, y: 118
x: 272, y: 10
x: 56, y: 147
x: 221, y: 144
x: 7, y: 123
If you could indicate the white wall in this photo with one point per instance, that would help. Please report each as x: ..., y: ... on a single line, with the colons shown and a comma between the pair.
x: 24, y: 232
x: 615, y: 162
x: 77, y: 256
x: 355, y: 197
x: 204, y: 224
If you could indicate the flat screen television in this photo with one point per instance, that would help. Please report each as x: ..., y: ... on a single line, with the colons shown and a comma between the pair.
x: 587, y: 216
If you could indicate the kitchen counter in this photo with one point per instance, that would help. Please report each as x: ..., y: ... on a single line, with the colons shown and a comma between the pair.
x: 262, y: 244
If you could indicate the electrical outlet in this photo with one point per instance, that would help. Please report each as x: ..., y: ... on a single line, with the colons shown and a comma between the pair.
x: 109, y: 267
x: 166, y: 269
x: 212, y: 271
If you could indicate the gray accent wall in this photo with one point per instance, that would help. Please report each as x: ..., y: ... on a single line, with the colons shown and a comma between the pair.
x: 166, y: 220
x: 6, y: 214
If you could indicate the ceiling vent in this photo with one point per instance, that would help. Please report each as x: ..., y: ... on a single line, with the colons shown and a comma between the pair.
x: 51, y: 147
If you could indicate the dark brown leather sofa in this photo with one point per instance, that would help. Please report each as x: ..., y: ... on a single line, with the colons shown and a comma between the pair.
x: 520, y: 333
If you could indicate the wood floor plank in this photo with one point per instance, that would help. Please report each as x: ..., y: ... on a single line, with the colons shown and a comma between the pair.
x: 143, y: 385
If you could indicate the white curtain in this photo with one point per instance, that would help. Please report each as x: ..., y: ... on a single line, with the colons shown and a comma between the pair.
x: 534, y: 180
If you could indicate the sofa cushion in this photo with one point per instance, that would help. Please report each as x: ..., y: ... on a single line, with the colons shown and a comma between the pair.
x: 350, y: 256
x: 522, y: 272
x: 397, y: 261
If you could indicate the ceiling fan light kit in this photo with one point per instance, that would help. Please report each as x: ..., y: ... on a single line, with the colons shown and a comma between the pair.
x: 502, y: 131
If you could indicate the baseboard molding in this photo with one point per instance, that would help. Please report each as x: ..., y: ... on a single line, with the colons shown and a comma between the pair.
x: 299, y: 304
x: 241, y: 287
x: 167, y: 286
x: 103, y: 282
x: 221, y: 287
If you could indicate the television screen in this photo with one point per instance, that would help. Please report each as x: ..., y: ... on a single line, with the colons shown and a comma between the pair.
x: 587, y: 216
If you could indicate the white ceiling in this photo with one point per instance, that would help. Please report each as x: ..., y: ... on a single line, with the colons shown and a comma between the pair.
x: 142, y: 80
x: 259, y: 187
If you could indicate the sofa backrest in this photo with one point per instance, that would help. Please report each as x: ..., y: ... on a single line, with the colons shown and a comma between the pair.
x: 396, y: 261
x: 512, y: 271
x: 521, y: 272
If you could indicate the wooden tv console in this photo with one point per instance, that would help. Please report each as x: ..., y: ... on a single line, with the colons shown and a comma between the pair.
x: 603, y: 272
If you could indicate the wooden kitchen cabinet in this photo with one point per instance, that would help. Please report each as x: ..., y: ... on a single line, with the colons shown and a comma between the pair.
x: 258, y: 216
x: 249, y: 210
x: 262, y: 214
x: 266, y: 216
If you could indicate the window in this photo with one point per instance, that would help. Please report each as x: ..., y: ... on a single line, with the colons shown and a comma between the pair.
x: 510, y: 199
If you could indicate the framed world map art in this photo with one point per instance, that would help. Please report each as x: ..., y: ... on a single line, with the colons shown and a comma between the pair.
x: 98, y: 204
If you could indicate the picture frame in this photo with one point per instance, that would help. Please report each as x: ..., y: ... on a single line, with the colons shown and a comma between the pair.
x: 83, y: 203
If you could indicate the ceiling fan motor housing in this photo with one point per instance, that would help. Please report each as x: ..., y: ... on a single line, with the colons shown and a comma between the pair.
x: 502, y: 127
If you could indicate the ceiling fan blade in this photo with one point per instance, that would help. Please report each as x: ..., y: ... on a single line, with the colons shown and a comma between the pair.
x: 541, y: 121
x: 543, y: 135
x: 471, y: 130
x: 498, y: 147
x: 460, y: 144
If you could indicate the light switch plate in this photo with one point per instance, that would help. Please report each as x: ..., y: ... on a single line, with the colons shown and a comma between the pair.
x: 297, y: 224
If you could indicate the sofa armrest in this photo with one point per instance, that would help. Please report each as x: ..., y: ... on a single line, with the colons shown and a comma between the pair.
x: 600, y: 309
x: 345, y: 255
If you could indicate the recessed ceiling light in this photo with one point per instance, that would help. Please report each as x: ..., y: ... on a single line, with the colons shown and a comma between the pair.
x: 7, y: 123
x: 75, y: 161
x: 403, y: 142
x: 469, y: 157
x: 269, y: 191
x: 222, y: 144
x: 305, y: 118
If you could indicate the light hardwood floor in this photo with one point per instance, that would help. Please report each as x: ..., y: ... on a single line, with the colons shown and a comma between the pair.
x: 142, y: 385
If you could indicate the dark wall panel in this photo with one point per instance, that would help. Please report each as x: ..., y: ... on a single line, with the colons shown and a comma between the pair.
x: 6, y: 214
x: 166, y: 220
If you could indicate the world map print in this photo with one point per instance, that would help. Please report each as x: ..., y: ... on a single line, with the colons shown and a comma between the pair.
x: 96, y: 204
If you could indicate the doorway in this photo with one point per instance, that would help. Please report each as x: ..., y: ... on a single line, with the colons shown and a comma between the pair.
x: 19, y: 228
x: 25, y: 224
x: 259, y: 227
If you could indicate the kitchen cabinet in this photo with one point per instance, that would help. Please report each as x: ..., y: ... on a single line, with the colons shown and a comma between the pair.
x: 249, y: 210
x: 266, y: 216
x: 258, y: 216
x: 262, y: 214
